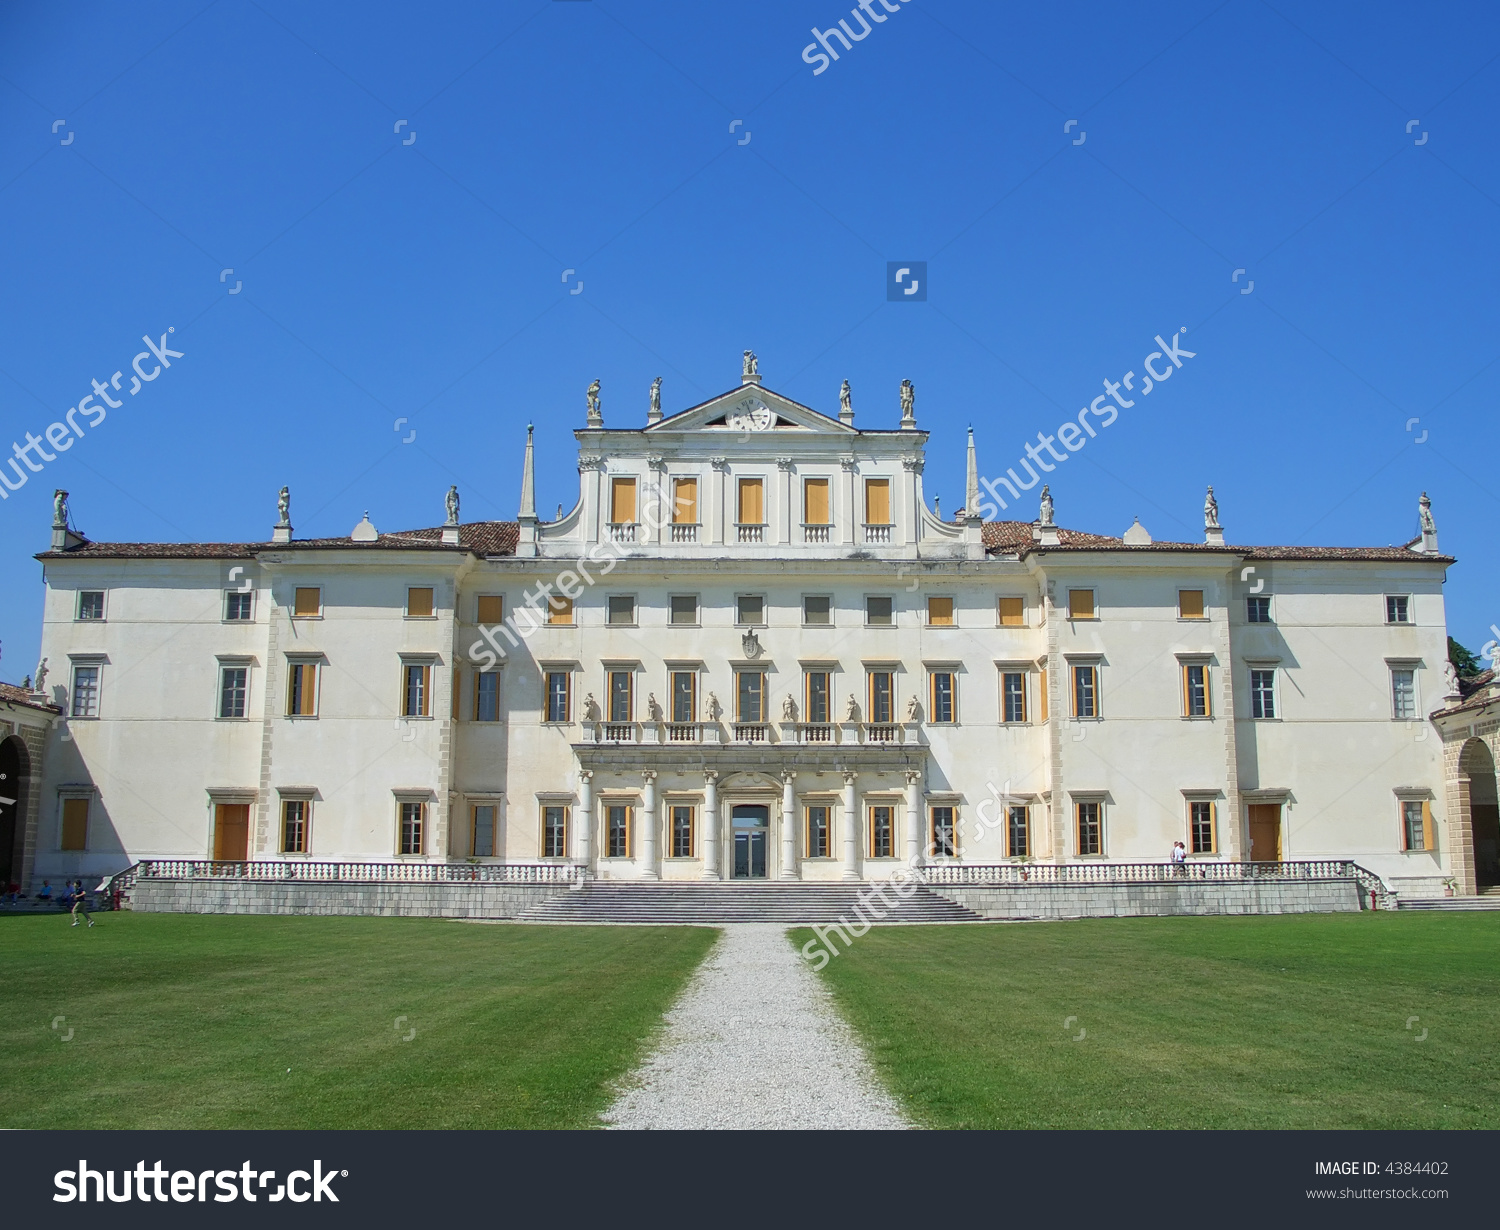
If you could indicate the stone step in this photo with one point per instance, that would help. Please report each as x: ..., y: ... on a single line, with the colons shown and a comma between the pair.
x: 722, y: 903
x: 1451, y: 903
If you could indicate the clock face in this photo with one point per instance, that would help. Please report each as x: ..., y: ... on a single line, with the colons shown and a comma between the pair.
x: 751, y: 414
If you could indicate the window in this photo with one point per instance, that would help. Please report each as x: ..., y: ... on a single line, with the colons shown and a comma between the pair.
x: 85, y: 691
x: 1012, y: 612
x: 750, y: 696
x: 1080, y: 604
x: 1195, y: 689
x: 1190, y: 604
x: 750, y: 609
x: 684, y: 501
x: 944, y: 706
x: 1397, y: 609
x: 1416, y: 824
x: 1013, y: 696
x: 91, y: 604
x: 457, y: 696
x: 489, y: 609
x: 302, y: 689
x: 1201, y: 827
x: 815, y: 503
x: 413, y: 821
x: 752, y: 501
x: 1043, y: 699
x: 1090, y: 828
x: 307, y: 602
x: 1085, y: 691
x: 554, y: 831
x: 877, y: 501
x: 559, y: 690
x: 882, y: 697
x: 622, y: 501
x: 819, y: 841
x: 621, y: 609
x: 487, y: 696
x: 943, y: 834
x: 237, y: 608
x: 684, y: 696
x: 1018, y: 830
x: 682, y: 831
x: 617, y: 831
x: 818, y: 709
x: 559, y: 609
x: 1258, y: 609
x: 1263, y: 692
x: 416, y: 679
x: 817, y: 611
x: 882, y: 831
x: 621, y: 695
x: 1403, y: 693
x: 685, y: 609
x: 233, y: 684
x: 419, y: 603
x: 939, y: 612
x: 878, y: 612
x: 75, y: 824
x: 294, y: 826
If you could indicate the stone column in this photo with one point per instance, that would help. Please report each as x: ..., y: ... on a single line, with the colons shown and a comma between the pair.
x: 789, y: 870
x: 583, y: 823
x: 851, y: 828
x: 914, y: 835
x: 646, y: 837
x: 710, y: 834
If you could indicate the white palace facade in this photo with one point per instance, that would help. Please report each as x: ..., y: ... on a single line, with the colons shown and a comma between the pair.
x: 752, y: 649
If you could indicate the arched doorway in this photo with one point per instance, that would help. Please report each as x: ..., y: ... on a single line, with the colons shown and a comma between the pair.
x: 15, y: 770
x: 1477, y: 765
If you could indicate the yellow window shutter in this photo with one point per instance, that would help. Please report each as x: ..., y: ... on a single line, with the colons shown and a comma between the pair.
x: 559, y: 609
x: 622, y: 501
x: 752, y: 503
x: 877, y: 501
x: 1428, y: 842
x: 940, y: 611
x: 1042, y: 697
x: 309, y: 601
x: 457, y: 691
x: 685, y: 501
x: 491, y: 609
x: 419, y: 603
x: 1080, y: 604
x: 1190, y: 603
x: 1012, y: 612
x: 815, y: 506
x: 75, y: 824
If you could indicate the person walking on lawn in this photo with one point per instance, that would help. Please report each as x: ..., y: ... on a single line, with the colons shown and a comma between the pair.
x: 80, y: 902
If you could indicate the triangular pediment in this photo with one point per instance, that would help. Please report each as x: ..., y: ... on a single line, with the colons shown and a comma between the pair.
x: 753, y: 408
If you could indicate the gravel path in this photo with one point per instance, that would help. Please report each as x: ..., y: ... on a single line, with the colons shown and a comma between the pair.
x: 755, y: 1042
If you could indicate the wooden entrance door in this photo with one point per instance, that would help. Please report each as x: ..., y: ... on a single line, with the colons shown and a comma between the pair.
x: 1265, y: 832
x: 232, y: 832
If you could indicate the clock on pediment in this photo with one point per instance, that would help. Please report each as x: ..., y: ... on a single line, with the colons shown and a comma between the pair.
x: 749, y: 414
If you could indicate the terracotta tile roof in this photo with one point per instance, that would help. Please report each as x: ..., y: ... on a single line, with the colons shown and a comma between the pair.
x: 481, y: 537
x: 20, y: 696
x: 1014, y: 537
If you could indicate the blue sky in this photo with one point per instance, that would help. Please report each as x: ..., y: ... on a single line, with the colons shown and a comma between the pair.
x: 380, y: 280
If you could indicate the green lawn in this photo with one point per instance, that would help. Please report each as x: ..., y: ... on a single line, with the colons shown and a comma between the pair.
x: 194, y: 1021
x: 1270, y: 1022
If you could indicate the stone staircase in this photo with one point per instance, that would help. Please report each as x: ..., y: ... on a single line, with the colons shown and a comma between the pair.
x: 1487, y: 899
x: 708, y: 904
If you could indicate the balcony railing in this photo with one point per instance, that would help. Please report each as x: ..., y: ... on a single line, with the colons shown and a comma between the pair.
x: 878, y: 535
x: 816, y: 732
x: 749, y: 732
x: 882, y: 732
x: 1150, y: 873
x: 682, y: 732
x: 622, y: 531
x: 619, y: 732
x: 359, y: 873
x: 751, y: 533
x: 817, y: 533
x: 685, y: 533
